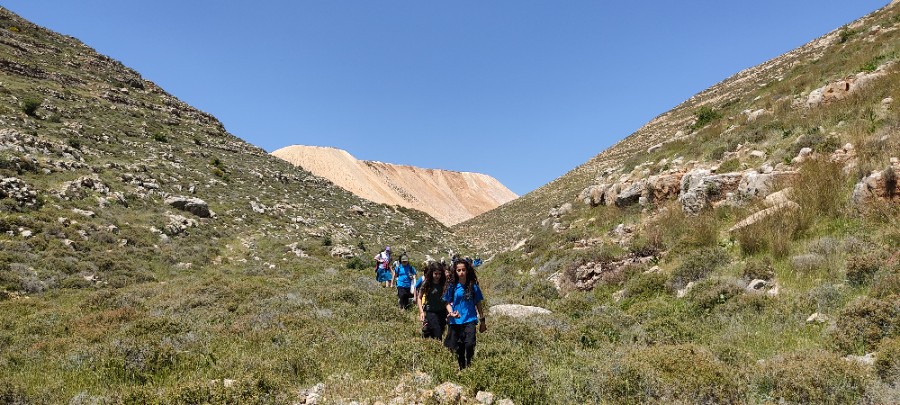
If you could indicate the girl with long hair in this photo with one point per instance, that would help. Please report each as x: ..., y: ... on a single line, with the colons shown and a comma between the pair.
x: 432, y: 310
x: 463, y: 301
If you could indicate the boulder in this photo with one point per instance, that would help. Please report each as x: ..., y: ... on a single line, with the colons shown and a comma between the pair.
x: 342, y: 252
x: 817, y: 318
x: 484, y: 397
x: 517, y: 311
x: 756, y: 185
x: 878, y: 185
x: 447, y: 393
x: 631, y: 194
x: 593, y: 195
x: 763, y: 214
x: 663, y: 186
x: 699, y: 188
x: 193, y: 205
x: 17, y: 190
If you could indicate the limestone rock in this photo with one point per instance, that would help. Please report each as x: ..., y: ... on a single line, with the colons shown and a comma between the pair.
x: 817, y: 318
x: 193, y: 205
x: 484, y: 397
x: 447, y: 393
x: 878, y: 185
x: 342, y: 252
x: 763, y: 214
x: 756, y: 285
x: 17, y: 190
x: 699, y: 188
x: 517, y: 311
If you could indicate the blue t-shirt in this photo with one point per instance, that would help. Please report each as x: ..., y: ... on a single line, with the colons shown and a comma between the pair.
x: 405, y: 274
x: 466, y: 307
x: 419, y: 282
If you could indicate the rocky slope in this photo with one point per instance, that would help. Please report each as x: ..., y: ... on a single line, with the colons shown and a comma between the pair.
x: 448, y: 196
x: 758, y: 117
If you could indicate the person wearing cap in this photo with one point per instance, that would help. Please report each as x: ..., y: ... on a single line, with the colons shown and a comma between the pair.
x: 404, y: 274
x: 383, y: 270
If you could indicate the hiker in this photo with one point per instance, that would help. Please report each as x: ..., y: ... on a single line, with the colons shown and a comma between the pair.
x: 383, y: 270
x: 476, y: 262
x: 404, y: 274
x: 463, y: 301
x: 432, y: 309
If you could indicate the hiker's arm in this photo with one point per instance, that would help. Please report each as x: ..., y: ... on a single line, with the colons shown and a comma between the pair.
x: 482, y: 326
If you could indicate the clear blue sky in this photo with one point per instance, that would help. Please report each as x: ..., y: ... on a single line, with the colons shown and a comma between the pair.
x: 521, y: 90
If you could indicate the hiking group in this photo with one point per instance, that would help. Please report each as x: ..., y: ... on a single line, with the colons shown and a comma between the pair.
x: 446, y: 296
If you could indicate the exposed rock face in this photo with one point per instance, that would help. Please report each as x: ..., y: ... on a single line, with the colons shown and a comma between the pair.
x: 450, y: 197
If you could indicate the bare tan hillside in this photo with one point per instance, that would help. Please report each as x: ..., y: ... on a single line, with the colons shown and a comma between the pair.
x: 448, y: 196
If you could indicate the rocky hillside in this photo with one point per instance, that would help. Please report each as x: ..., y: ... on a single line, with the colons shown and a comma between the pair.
x: 755, y: 122
x: 448, y: 196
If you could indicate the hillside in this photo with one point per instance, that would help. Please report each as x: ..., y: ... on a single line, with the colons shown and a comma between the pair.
x: 741, y: 248
x: 673, y: 141
x: 448, y: 196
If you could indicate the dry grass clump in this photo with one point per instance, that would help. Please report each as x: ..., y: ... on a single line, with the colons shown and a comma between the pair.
x: 673, y: 374
x: 887, y: 361
x: 863, y: 323
x: 813, y: 377
x: 697, y: 265
x: 762, y: 269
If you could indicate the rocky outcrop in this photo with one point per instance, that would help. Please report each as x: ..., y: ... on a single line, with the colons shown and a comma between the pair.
x: 448, y: 196
x: 842, y: 88
x: 879, y: 185
x: 195, y: 206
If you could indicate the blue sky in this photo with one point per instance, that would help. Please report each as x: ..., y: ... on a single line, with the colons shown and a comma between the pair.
x: 518, y: 89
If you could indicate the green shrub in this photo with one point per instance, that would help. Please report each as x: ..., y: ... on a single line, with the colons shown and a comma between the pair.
x: 817, y: 377
x: 160, y: 137
x: 673, y: 374
x: 647, y: 285
x: 708, y: 294
x: 759, y: 270
x: 863, y: 323
x: 697, y: 265
x: 861, y: 267
x: 887, y: 283
x: 30, y: 106
x: 730, y: 165
x: 355, y: 263
x: 887, y: 361
x: 703, y: 116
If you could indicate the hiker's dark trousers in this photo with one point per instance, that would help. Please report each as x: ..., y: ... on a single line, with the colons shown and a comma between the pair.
x: 435, y: 322
x: 462, y: 337
x: 403, y: 297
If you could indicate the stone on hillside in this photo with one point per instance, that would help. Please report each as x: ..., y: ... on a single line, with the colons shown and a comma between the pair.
x: 447, y: 393
x: 356, y: 210
x: 258, y: 207
x: 699, y: 188
x: 517, y: 311
x: 881, y: 185
x: 312, y: 395
x: 884, y: 110
x: 763, y: 214
x: 193, y: 205
x: 817, y: 318
x: 17, y: 190
x: 505, y: 401
x: 84, y: 213
x: 557, y: 212
x: 756, y: 285
x: 484, y: 397
x: 758, y: 154
x: 779, y: 197
x: 342, y: 252
x: 754, y: 115
x: 593, y: 195
x: 842, y: 88
x: 867, y: 360
x: 654, y: 148
x: 755, y: 185
x: 178, y: 224
x: 663, y: 186
x: 802, y: 155
x: 631, y: 195
x: 684, y: 291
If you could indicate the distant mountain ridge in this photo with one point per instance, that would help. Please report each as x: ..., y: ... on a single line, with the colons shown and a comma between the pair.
x: 448, y: 196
